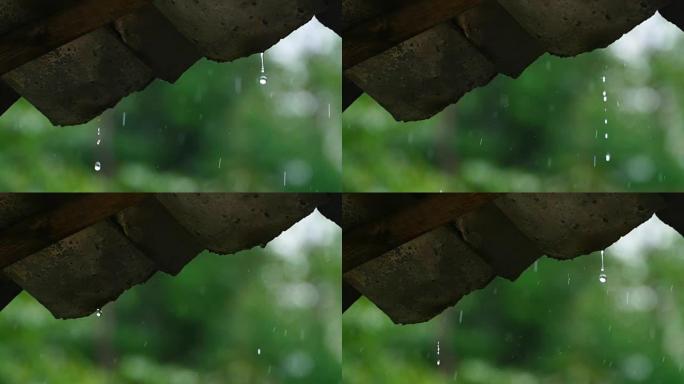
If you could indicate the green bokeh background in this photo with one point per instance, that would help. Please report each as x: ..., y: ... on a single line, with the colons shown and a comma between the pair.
x: 555, y: 324
x: 175, y: 135
x: 205, y: 325
x: 539, y: 132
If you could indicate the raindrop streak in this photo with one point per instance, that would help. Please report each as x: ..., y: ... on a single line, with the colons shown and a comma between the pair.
x: 263, y: 79
x: 220, y: 160
x: 438, y: 361
x: 123, y: 120
x: 536, y: 265
x: 603, y: 278
x: 605, y: 110
x: 98, y: 312
x: 98, y: 166
x: 285, y: 179
x: 460, y: 317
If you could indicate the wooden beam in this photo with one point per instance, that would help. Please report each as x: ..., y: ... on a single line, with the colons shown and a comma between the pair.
x: 374, y: 239
x: 38, y: 38
x: 43, y: 229
x: 375, y: 36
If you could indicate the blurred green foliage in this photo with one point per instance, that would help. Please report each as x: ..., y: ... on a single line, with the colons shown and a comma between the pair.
x: 260, y: 316
x: 539, y: 132
x: 176, y: 135
x: 555, y: 324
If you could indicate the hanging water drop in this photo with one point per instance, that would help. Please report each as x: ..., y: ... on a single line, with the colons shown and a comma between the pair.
x: 98, y: 312
x: 263, y: 78
x: 98, y: 166
x: 603, y: 278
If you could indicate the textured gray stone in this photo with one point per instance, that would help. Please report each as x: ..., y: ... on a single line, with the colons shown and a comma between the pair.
x: 227, y: 30
x: 420, y: 279
x: 492, y: 30
x: 83, y: 272
x: 157, y: 233
x: 76, y: 82
x: 674, y: 13
x: 157, y: 42
x: 227, y: 223
x: 565, y: 226
x: 498, y: 241
x: 571, y: 27
x: 423, y: 75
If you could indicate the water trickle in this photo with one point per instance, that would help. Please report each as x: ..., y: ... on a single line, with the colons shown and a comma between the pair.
x: 98, y: 312
x: 603, y: 278
x: 98, y: 166
x: 438, y: 361
x: 263, y: 78
x: 605, y: 117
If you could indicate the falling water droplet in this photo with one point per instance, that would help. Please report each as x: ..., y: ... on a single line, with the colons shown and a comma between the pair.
x: 603, y: 278
x: 123, y: 120
x: 604, y: 78
x: 98, y: 142
x: 606, y: 136
x: 285, y: 179
x: 607, y: 157
x: 258, y: 351
x: 263, y: 78
x: 98, y: 312
x: 220, y: 160
x: 438, y: 361
x: 98, y: 166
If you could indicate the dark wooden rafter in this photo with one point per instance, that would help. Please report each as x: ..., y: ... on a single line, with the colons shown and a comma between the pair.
x: 377, y: 35
x: 374, y: 239
x: 40, y: 37
x: 71, y: 215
